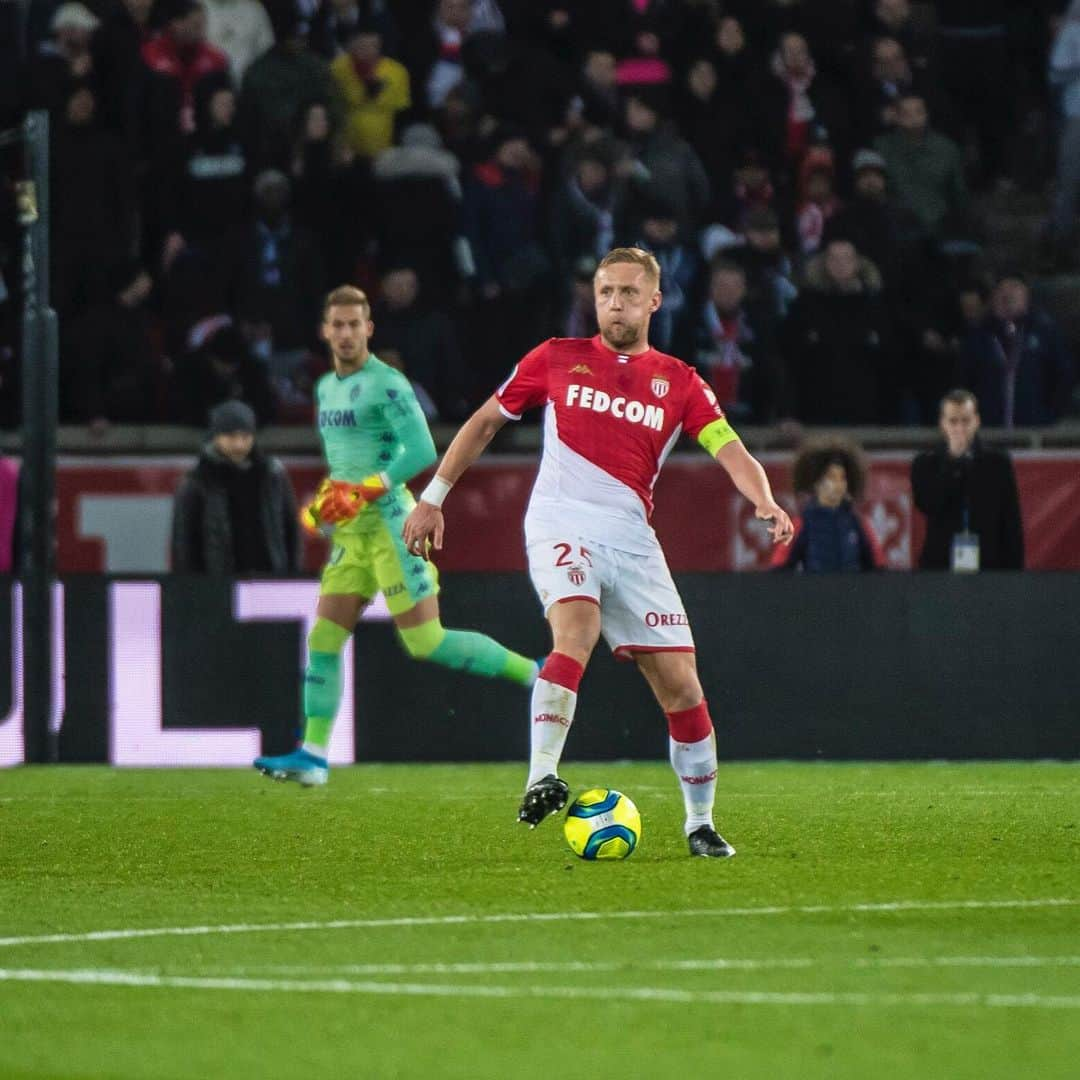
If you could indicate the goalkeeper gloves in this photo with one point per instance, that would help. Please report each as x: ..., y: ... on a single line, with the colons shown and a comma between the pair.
x: 336, y: 501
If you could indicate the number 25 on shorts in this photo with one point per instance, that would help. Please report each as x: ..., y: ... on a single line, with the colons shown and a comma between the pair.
x: 562, y: 552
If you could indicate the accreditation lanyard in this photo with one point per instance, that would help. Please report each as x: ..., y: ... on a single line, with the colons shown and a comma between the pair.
x: 965, y: 549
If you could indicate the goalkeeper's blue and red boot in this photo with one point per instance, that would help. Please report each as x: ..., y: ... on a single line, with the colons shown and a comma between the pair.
x: 547, y: 796
x: 307, y: 769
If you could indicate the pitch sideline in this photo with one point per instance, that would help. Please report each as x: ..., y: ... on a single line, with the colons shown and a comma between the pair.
x: 526, y: 917
x: 93, y: 977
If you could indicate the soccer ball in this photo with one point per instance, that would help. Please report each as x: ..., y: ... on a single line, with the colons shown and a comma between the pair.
x: 602, y: 824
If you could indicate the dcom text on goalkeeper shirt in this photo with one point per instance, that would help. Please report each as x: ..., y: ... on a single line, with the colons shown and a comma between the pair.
x: 370, y: 423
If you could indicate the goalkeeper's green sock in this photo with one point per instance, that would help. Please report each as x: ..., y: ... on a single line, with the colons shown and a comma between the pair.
x: 465, y: 650
x: 322, y: 684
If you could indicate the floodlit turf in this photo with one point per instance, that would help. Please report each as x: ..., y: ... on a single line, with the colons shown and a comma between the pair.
x: 879, y: 921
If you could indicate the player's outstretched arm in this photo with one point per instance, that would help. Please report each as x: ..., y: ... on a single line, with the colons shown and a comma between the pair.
x: 426, y: 521
x: 749, y: 477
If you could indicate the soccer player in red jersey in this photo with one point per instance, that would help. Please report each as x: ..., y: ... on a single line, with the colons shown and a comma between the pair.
x: 614, y: 408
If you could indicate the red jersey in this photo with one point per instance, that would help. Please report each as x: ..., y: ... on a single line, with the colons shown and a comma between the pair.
x: 161, y: 55
x: 610, y: 421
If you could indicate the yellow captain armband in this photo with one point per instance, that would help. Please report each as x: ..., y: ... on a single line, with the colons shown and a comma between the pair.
x: 713, y: 437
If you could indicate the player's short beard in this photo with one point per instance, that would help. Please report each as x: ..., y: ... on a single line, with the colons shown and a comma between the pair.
x: 622, y: 337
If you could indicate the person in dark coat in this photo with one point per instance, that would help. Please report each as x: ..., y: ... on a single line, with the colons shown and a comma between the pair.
x: 966, y: 487
x: 108, y: 368
x: 838, y: 342
x: 235, y: 512
x: 121, y: 77
x: 1016, y: 362
x: 275, y: 272
x: 208, y: 184
x: 217, y: 367
x: 502, y: 218
x: 424, y: 337
x: 831, y: 536
x: 417, y: 189
x: 92, y: 201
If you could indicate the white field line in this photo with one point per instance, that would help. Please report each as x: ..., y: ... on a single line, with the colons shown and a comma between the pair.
x: 878, y: 793
x: 708, y: 964
x: 539, y: 917
x: 525, y: 967
x: 95, y: 977
x: 970, y: 961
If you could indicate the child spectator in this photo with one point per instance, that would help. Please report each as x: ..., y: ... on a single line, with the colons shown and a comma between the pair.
x: 831, y: 536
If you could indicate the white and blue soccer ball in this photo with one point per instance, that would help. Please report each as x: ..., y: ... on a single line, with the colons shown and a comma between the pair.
x: 602, y: 824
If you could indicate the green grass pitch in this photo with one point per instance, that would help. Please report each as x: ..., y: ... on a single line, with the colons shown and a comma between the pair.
x: 882, y: 921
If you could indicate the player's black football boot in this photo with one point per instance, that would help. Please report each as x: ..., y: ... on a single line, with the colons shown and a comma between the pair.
x: 708, y: 842
x: 547, y: 796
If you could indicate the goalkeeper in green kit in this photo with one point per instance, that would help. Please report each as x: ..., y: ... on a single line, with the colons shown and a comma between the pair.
x: 375, y: 438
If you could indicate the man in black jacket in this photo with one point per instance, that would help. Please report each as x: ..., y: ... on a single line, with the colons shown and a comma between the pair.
x: 968, y: 493
x: 838, y: 342
x: 235, y: 512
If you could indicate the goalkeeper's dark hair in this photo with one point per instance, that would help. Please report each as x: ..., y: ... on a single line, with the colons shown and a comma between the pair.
x: 346, y: 296
x: 814, y: 459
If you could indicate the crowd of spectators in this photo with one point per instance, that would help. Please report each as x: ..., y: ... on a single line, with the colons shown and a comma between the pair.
x: 802, y: 169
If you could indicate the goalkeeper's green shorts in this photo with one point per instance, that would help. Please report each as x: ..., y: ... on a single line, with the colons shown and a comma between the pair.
x: 377, y: 561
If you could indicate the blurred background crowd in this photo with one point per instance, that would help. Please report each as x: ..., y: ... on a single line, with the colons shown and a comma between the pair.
x: 857, y: 205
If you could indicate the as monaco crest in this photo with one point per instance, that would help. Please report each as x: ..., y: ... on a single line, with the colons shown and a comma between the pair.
x: 576, y: 575
x: 660, y: 386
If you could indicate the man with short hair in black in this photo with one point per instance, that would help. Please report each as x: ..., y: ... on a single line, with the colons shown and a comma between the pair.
x: 235, y: 512
x: 968, y: 493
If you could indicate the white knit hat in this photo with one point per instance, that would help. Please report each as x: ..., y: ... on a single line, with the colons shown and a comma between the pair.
x: 74, y: 16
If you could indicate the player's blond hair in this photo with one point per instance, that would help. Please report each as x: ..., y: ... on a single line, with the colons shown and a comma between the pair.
x: 638, y: 256
x: 346, y: 296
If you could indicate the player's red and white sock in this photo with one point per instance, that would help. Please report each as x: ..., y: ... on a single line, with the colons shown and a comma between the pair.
x: 692, y: 748
x: 554, y: 698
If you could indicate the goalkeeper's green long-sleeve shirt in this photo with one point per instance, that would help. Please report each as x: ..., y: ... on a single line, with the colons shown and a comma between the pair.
x: 370, y: 422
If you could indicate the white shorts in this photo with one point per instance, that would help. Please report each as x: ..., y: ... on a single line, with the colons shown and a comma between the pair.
x: 640, y: 608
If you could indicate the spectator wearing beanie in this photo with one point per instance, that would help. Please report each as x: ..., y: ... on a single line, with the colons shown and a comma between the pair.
x: 888, y: 234
x: 65, y: 61
x: 181, y: 55
x: 235, y: 512
x: 241, y: 29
